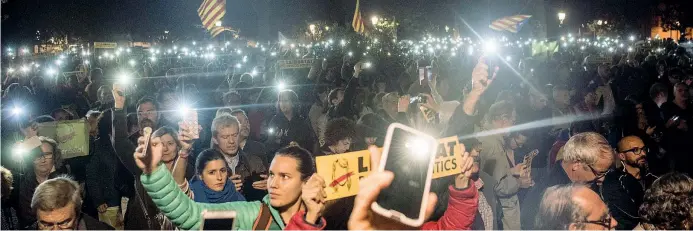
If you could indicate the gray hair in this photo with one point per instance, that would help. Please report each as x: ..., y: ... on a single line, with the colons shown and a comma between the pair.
x: 588, y: 148
x: 557, y: 209
x: 55, y: 194
x: 497, y: 111
x: 57, y: 154
x: 221, y: 121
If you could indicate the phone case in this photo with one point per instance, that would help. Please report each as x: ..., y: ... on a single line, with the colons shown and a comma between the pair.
x: 392, y: 214
x: 224, y: 214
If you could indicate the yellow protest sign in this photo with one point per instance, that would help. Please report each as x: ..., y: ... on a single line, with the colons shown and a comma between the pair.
x: 72, y: 136
x: 342, y: 172
x: 448, y: 157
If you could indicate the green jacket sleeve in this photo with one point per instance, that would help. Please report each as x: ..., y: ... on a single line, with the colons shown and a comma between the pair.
x: 186, y: 213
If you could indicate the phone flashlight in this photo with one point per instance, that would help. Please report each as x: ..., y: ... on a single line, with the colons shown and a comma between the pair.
x: 17, y: 110
x: 417, y: 146
x: 367, y: 65
x: 19, y: 151
x: 281, y: 86
x: 270, y: 130
x: 124, y: 78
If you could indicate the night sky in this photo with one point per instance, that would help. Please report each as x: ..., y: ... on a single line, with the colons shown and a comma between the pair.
x: 141, y: 19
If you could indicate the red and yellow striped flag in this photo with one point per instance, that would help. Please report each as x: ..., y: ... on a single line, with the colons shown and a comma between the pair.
x: 211, y: 12
x: 357, y: 22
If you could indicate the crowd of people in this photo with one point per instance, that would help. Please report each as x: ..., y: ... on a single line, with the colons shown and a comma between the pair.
x: 556, y: 143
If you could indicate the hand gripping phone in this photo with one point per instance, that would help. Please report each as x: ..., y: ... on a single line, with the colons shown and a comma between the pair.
x: 409, y: 154
x: 218, y: 220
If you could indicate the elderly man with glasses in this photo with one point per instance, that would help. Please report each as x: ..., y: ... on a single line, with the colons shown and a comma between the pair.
x: 573, y: 207
x: 587, y: 158
x: 624, y: 187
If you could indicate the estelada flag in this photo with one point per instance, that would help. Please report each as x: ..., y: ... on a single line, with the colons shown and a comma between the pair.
x: 510, y: 23
x: 357, y: 22
x: 211, y: 12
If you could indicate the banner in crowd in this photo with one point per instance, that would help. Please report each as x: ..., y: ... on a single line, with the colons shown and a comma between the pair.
x: 343, y: 172
x: 105, y: 45
x: 72, y: 136
x: 295, y: 63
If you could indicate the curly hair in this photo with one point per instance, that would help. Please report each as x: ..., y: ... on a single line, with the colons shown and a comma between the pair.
x: 339, y: 129
x: 668, y: 202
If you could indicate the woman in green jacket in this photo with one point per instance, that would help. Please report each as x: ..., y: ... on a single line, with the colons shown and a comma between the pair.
x: 295, y: 200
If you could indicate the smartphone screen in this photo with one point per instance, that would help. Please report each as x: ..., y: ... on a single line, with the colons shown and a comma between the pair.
x: 409, y: 157
x: 218, y: 224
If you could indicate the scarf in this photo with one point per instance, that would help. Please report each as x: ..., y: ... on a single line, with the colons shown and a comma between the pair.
x: 204, y: 194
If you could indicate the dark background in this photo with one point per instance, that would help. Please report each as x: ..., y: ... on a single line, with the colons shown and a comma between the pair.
x: 138, y: 20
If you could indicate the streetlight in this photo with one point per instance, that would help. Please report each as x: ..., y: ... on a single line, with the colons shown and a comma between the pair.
x: 218, y: 23
x: 561, y: 16
x: 374, y: 20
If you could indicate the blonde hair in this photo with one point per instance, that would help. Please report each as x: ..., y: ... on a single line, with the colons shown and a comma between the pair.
x: 55, y: 194
x: 588, y: 148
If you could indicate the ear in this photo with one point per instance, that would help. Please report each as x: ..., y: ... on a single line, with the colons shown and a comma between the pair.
x: 215, y: 141
x: 575, y: 166
x: 622, y: 156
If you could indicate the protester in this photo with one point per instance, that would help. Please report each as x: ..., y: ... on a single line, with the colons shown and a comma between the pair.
x: 462, y: 204
x: 667, y: 204
x: 57, y: 204
x: 47, y: 164
x: 288, y: 125
x: 211, y: 183
x: 339, y: 135
x: 10, y: 218
x: 295, y: 200
x: 587, y: 158
x: 249, y: 147
x: 624, y: 187
x: 499, y: 162
x: 572, y: 207
x: 248, y: 173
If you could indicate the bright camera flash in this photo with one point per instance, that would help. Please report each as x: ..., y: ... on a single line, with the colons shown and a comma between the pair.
x: 418, y: 146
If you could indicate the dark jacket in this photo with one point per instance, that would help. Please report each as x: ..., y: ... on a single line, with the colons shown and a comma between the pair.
x: 297, y: 130
x: 27, y: 186
x: 250, y: 168
x: 624, y: 194
x: 530, y: 205
x: 91, y: 223
x: 258, y: 149
x: 101, y: 174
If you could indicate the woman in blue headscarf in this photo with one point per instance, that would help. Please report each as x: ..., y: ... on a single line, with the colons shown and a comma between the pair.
x: 211, y: 182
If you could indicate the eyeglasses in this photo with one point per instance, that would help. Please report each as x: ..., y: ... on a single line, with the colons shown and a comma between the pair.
x: 598, y: 175
x: 637, y: 150
x: 44, y: 157
x: 606, y: 222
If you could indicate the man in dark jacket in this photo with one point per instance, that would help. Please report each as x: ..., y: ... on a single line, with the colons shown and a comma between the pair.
x: 587, y: 158
x: 248, y: 173
x: 624, y: 187
x: 57, y: 204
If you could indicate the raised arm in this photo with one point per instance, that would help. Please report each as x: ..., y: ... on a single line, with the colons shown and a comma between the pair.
x: 121, y: 144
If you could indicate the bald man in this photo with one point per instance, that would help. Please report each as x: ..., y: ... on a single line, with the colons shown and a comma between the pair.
x: 573, y: 207
x: 624, y: 187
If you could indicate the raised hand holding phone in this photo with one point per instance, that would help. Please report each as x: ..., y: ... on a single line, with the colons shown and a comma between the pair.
x: 118, y: 97
x: 148, y: 152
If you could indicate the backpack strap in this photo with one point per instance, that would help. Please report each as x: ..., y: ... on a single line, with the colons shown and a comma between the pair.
x: 264, y: 218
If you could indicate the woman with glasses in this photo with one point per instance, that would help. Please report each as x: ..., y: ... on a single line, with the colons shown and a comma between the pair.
x: 43, y: 163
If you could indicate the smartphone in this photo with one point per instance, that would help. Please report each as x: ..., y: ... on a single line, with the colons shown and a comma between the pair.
x: 218, y: 220
x: 429, y: 73
x: 409, y: 154
x: 191, y: 119
x: 147, y: 133
x: 422, y: 75
x: 675, y: 118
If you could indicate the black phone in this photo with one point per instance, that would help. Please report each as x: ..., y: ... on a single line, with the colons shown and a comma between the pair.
x: 409, y: 154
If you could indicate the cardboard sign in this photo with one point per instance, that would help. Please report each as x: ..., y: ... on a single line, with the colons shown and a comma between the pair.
x: 72, y: 136
x: 342, y: 172
x: 105, y: 45
x: 295, y: 63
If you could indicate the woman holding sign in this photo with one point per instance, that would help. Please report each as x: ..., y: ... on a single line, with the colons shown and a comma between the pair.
x: 296, y: 194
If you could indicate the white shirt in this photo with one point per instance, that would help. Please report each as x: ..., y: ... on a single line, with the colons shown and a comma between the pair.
x: 233, y: 162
